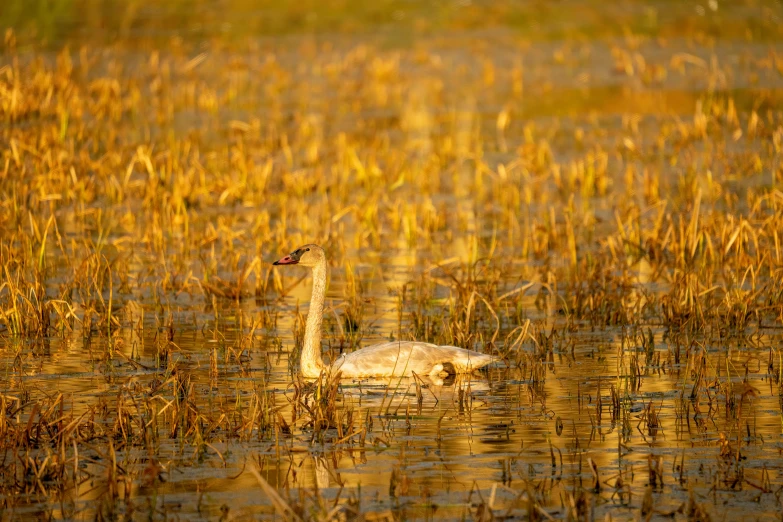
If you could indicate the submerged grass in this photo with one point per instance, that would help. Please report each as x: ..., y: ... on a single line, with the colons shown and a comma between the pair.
x: 606, y: 217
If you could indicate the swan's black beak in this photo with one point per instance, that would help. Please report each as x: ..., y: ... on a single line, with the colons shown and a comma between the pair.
x: 287, y: 260
x: 290, y: 259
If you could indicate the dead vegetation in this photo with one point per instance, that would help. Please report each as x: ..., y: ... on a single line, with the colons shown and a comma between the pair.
x: 618, y: 247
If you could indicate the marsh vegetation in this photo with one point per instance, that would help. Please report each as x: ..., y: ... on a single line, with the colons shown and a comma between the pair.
x: 594, y: 194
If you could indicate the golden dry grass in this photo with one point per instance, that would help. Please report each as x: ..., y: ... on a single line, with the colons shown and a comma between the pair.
x: 613, y: 204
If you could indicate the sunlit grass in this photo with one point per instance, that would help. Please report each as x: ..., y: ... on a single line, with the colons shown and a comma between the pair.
x: 513, y: 199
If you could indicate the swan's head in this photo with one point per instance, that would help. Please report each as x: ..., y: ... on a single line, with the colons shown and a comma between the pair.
x: 308, y: 255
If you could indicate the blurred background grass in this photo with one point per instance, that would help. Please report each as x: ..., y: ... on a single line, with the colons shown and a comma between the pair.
x: 54, y: 22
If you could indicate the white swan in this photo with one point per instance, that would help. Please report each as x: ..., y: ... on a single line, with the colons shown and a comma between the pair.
x: 396, y: 358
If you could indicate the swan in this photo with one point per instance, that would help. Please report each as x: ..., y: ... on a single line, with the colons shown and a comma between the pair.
x: 396, y: 358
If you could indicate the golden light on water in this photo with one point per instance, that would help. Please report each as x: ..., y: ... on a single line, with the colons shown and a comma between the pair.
x: 590, y: 192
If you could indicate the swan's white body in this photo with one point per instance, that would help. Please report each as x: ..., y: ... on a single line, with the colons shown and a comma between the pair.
x: 406, y: 357
x: 397, y: 358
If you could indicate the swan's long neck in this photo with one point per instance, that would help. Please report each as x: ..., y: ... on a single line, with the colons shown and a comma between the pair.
x: 311, y: 363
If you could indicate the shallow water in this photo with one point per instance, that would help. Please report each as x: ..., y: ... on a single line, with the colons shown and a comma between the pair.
x: 496, y: 433
x: 443, y: 167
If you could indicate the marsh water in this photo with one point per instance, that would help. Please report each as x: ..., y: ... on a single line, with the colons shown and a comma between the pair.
x: 590, y: 193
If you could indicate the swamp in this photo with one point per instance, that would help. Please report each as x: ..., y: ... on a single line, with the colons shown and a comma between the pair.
x: 590, y: 191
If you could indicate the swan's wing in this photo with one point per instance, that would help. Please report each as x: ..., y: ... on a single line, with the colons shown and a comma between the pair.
x: 404, y: 358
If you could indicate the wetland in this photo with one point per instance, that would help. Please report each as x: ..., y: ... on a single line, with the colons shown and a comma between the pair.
x: 592, y: 193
